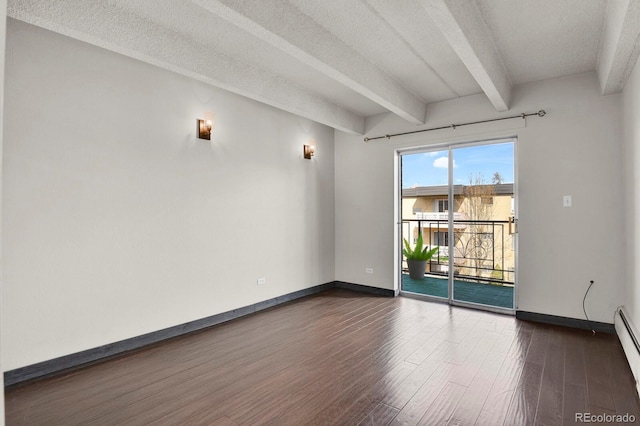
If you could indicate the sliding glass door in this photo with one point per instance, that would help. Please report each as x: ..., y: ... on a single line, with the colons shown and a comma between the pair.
x: 459, y: 202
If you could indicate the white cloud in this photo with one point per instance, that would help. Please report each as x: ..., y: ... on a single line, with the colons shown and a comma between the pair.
x: 432, y: 153
x: 442, y: 162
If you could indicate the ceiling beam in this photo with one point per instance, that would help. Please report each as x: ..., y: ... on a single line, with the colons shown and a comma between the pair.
x: 464, y: 27
x: 288, y: 29
x: 127, y: 34
x: 620, y: 45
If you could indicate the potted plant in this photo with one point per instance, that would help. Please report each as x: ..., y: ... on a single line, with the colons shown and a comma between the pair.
x: 418, y: 257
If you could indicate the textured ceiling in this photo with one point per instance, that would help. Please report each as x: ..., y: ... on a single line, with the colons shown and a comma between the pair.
x: 337, y: 62
x: 545, y: 38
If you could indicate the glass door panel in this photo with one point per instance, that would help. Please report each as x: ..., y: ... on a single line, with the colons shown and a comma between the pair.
x: 481, y: 247
x: 425, y: 212
x: 459, y: 203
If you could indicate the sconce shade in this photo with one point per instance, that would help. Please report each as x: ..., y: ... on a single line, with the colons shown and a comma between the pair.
x: 204, y: 129
x: 309, y: 151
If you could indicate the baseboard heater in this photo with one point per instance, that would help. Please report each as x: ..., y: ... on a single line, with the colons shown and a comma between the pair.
x: 628, y: 335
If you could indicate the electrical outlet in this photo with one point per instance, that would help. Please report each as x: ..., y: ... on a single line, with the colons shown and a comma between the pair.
x: 369, y: 270
x: 262, y: 280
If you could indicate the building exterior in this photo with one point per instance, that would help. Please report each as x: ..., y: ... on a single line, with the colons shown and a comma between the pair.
x: 483, y: 245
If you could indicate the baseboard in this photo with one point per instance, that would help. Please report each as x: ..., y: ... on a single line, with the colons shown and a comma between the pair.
x: 80, y: 359
x: 365, y: 289
x: 76, y: 360
x: 600, y: 327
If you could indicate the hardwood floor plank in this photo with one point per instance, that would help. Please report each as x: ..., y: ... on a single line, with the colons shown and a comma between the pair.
x: 389, y: 356
x: 341, y: 357
x: 521, y: 344
x: 471, y: 362
x: 496, y: 406
x: 538, y: 347
x: 421, y: 353
x: 549, y: 411
x: 574, y: 364
x: 174, y: 357
x: 332, y: 375
x: 352, y: 405
x: 290, y: 376
x: 575, y: 402
x: 477, y: 392
x: 523, y: 406
x: 401, y: 395
x: 597, y: 359
x: 600, y: 395
x: 442, y: 408
x: 391, y: 380
x: 421, y: 401
x: 380, y: 415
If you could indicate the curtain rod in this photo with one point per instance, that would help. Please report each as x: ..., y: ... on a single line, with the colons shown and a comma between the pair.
x: 540, y: 113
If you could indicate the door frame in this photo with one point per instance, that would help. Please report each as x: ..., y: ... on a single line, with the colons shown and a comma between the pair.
x: 449, y: 147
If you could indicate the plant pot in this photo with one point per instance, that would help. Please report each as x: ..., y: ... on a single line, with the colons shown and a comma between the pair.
x: 417, y: 268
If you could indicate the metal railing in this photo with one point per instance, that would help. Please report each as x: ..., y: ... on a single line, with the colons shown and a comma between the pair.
x: 439, y: 216
x: 482, y: 249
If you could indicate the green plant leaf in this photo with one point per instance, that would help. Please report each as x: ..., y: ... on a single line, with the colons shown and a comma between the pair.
x: 418, y: 252
x: 430, y: 253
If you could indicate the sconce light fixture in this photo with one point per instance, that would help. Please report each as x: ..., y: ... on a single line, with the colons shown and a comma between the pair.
x: 309, y: 151
x: 204, y: 129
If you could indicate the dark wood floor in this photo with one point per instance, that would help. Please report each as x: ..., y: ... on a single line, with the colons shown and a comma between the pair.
x: 346, y: 358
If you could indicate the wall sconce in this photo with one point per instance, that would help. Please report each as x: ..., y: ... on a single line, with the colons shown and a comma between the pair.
x: 309, y: 151
x: 204, y: 129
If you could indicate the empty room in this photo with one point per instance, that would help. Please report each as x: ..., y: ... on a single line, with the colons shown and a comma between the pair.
x: 292, y: 212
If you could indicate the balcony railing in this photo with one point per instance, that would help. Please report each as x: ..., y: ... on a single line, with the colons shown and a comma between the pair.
x: 482, y: 249
x: 439, y: 216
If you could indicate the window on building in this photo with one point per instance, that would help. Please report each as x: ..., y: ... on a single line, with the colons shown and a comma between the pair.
x: 442, y: 206
x: 441, y: 238
x: 487, y: 200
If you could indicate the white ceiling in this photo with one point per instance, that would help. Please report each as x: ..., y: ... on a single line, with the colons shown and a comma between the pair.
x: 339, y: 61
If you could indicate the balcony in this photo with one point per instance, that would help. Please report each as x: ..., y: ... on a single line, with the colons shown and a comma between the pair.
x: 439, y: 216
x: 439, y: 220
x: 483, y: 259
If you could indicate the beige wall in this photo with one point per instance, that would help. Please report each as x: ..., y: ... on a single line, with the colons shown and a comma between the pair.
x: 501, y: 208
x: 425, y: 204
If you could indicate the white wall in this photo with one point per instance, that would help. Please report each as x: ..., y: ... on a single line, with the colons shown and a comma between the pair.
x: 631, y: 125
x: 119, y: 222
x: 574, y: 150
x: 3, y: 28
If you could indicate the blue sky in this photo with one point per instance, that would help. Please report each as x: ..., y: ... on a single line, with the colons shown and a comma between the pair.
x: 430, y: 168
